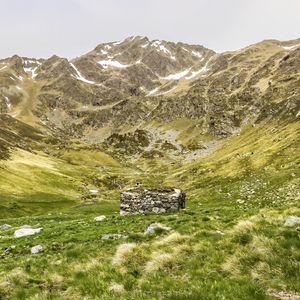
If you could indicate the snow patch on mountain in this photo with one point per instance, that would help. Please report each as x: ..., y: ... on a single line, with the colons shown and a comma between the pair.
x: 111, y: 63
x: 117, y: 43
x: 31, y: 70
x: 152, y: 92
x: 155, y: 43
x: 290, y: 47
x: 177, y: 75
x: 79, y: 76
x: 168, y: 91
x: 196, y: 53
x: 196, y: 73
x: 7, y: 101
x: 160, y: 47
x: 164, y: 49
x: 30, y: 61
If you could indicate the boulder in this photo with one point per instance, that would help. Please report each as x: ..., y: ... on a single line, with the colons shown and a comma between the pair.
x: 5, y: 227
x: 7, y: 250
x: 37, y: 249
x: 292, y: 221
x: 26, y: 231
x: 100, y: 218
x: 153, y: 227
x: 113, y: 236
x: 5, y: 283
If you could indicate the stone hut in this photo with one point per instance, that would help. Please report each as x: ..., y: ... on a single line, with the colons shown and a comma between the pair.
x: 143, y: 201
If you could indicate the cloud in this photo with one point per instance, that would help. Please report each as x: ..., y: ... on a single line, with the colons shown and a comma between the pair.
x: 71, y: 27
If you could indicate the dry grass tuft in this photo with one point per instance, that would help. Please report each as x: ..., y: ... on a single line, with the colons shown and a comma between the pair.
x: 158, y: 262
x: 122, y: 253
x: 173, y: 238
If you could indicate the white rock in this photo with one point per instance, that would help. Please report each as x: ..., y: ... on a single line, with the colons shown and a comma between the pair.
x: 118, y: 288
x: 37, y: 249
x: 155, y: 209
x: 113, y: 236
x: 5, y: 283
x: 292, y: 221
x: 24, y: 226
x: 155, y: 226
x: 100, y: 218
x: 5, y: 227
x: 219, y: 232
x: 123, y: 213
x: 26, y: 231
x: 94, y: 191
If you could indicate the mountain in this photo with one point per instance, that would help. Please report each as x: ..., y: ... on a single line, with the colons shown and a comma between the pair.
x: 138, y: 84
x: 224, y: 127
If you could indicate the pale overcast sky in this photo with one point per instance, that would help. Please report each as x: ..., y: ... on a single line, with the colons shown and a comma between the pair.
x: 40, y: 28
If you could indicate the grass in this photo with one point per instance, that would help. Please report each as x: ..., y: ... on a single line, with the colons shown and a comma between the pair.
x: 229, y: 243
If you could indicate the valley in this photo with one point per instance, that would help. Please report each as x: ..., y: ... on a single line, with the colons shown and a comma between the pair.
x: 224, y: 127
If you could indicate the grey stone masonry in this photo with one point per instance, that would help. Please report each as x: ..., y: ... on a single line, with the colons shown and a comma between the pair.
x: 143, y: 201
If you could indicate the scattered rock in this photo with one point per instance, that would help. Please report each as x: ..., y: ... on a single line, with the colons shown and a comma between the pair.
x: 292, y: 221
x: 219, y: 232
x: 5, y: 283
x: 116, y: 287
x: 113, y: 236
x: 100, y: 218
x: 7, y: 250
x: 5, y: 227
x: 240, y: 201
x: 37, y: 249
x: 283, y: 295
x: 26, y: 231
x: 153, y: 227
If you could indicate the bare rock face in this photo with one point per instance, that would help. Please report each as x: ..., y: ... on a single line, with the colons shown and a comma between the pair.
x: 143, y: 201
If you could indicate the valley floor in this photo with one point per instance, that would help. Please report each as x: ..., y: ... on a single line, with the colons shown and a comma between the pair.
x: 229, y: 243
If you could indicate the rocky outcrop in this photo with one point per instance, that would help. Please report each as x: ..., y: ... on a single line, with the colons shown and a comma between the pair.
x: 143, y: 201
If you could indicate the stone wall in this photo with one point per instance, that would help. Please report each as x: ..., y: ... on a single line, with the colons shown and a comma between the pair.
x: 143, y: 201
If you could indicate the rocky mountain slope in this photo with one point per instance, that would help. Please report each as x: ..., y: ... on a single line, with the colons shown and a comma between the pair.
x: 131, y: 83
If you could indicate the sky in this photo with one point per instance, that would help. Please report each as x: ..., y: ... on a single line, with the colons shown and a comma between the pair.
x: 69, y: 28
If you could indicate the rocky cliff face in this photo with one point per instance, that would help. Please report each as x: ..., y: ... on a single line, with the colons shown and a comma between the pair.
x: 138, y: 84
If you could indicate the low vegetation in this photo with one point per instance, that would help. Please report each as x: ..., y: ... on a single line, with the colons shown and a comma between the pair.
x: 229, y: 243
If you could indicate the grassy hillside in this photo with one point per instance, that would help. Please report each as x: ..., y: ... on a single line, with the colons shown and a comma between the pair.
x: 229, y: 243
